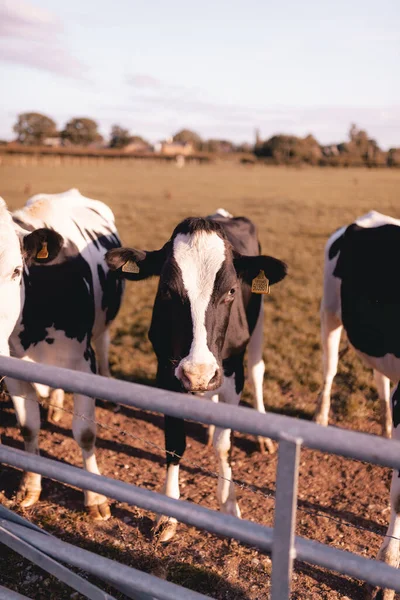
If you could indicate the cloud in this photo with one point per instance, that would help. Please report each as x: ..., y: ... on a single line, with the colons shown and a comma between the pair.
x: 57, y: 61
x: 19, y: 19
x: 144, y: 81
x: 32, y: 37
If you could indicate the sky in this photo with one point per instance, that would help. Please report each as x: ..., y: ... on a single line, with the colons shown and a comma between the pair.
x: 220, y: 67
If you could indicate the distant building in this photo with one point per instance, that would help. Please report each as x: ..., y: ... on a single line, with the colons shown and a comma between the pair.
x: 53, y: 142
x: 171, y: 148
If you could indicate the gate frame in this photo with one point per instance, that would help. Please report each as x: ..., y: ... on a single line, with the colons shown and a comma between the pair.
x: 291, y: 434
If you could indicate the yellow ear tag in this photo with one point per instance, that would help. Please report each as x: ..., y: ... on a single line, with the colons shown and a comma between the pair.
x: 43, y: 252
x: 260, y: 284
x: 130, y: 267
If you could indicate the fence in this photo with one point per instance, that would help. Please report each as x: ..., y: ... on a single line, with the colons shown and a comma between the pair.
x: 292, y: 434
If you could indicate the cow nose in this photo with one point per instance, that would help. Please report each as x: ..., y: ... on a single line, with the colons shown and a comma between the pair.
x: 200, y: 378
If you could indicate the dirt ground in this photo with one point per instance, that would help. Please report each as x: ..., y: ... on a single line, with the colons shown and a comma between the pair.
x: 295, y: 211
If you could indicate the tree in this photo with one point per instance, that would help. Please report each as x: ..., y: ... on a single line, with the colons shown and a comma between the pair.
x: 186, y: 136
x: 119, y: 137
x: 81, y: 131
x: 137, y: 139
x: 361, y: 149
x: 34, y: 128
x: 393, y: 159
x: 290, y: 149
x: 217, y: 146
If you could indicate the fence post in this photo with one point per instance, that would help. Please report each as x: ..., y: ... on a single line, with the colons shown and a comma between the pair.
x: 283, y: 551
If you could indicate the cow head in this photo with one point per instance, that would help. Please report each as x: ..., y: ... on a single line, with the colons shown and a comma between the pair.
x: 199, y: 302
x: 17, y: 247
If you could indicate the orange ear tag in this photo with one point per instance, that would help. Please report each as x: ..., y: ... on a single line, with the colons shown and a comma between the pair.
x: 130, y: 267
x: 43, y: 252
x: 260, y: 284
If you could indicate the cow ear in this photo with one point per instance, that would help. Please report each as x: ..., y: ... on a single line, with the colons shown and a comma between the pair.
x: 135, y: 264
x: 248, y: 267
x: 42, y: 246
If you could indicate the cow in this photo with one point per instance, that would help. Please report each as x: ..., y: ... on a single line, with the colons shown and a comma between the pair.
x: 362, y: 295
x: 57, y: 301
x: 332, y: 326
x: 203, y: 317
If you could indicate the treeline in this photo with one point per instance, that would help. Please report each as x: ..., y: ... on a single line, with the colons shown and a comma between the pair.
x: 360, y: 150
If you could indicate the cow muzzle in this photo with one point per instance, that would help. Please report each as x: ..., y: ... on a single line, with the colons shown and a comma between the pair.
x: 199, y: 378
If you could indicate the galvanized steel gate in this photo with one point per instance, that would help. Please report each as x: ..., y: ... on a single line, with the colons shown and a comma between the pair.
x: 48, y: 552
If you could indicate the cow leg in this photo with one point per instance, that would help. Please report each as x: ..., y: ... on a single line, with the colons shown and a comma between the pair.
x: 102, y: 347
x: 223, y: 447
x: 84, y: 432
x: 389, y: 551
x: 331, y: 329
x: 256, y: 369
x: 56, y: 404
x: 383, y: 387
x: 211, y: 428
x: 175, y: 445
x: 28, y: 416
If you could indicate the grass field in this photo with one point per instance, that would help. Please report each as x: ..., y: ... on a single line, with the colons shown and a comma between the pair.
x: 295, y: 211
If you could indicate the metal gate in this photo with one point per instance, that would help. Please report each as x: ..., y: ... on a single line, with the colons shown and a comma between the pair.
x: 46, y: 550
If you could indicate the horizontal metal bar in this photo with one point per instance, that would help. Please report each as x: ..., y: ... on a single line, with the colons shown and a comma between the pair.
x: 13, y: 517
x: 187, y: 512
x: 9, y: 515
x: 247, y: 532
x: 20, y: 545
x: 352, y: 444
x: 100, y: 566
x: 124, y: 589
x: 366, y: 569
x: 6, y: 594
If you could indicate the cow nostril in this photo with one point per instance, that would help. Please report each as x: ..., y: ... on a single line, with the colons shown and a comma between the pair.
x: 185, y: 380
x: 214, y: 378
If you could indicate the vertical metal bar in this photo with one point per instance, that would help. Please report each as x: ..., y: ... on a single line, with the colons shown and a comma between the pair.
x: 283, y: 551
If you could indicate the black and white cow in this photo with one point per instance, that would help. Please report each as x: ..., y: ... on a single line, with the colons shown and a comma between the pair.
x: 57, y: 298
x: 362, y: 294
x: 332, y: 321
x: 204, y: 315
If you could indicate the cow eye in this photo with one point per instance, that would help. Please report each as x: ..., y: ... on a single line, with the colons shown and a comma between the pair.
x: 230, y: 295
x: 17, y: 273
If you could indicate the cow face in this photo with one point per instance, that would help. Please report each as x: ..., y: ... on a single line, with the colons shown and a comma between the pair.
x: 17, y: 248
x: 199, y: 310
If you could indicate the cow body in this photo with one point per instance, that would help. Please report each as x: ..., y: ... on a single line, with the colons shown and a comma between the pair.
x: 67, y: 303
x: 203, y: 318
x: 362, y: 294
x: 356, y: 267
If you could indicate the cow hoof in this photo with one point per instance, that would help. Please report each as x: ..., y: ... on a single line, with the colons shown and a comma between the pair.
x: 266, y: 445
x: 27, y: 498
x: 55, y: 414
x: 231, y: 507
x: 99, y: 512
x: 165, y: 529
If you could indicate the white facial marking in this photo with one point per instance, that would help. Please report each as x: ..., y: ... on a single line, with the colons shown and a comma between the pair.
x: 199, y: 256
